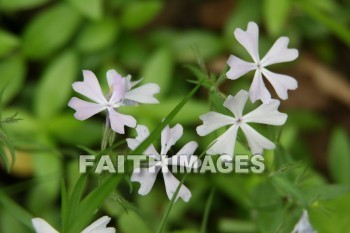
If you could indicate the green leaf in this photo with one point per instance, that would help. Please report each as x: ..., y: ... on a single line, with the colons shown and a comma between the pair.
x: 8, y: 42
x: 207, y: 44
x: 12, y: 208
x: 96, y: 36
x: 207, y: 210
x: 72, y: 132
x: 93, y: 9
x: 339, y: 156
x: 235, y: 225
x: 92, y: 202
x: 288, y: 188
x: 12, y: 73
x: 340, y: 30
x: 130, y: 222
x: 55, y: 85
x: 139, y: 13
x: 15, y: 5
x: 276, y: 19
x: 64, y: 205
x: 50, y: 31
x: 158, y: 69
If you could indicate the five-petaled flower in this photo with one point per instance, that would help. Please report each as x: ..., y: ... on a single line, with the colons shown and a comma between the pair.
x: 225, y: 144
x: 121, y: 93
x: 303, y: 225
x: 147, y: 176
x: 99, y: 226
x: 277, y: 54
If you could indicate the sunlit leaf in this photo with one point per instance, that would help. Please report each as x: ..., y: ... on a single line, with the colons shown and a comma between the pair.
x: 92, y: 9
x: 15, y: 5
x: 12, y: 74
x: 56, y: 85
x: 139, y: 13
x: 276, y: 19
x: 158, y: 69
x: 8, y: 42
x: 50, y: 31
x: 97, y: 36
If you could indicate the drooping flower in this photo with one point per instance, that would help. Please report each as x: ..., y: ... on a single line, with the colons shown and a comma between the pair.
x: 225, y: 144
x: 99, y: 226
x: 303, y: 225
x: 185, y: 158
x: 278, y: 53
x: 120, y: 94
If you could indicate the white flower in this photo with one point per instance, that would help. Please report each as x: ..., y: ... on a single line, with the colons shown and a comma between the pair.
x: 120, y: 93
x: 277, y: 54
x: 99, y: 226
x: 147, y: 176
x: 303, y: 225
x: 225, y: 144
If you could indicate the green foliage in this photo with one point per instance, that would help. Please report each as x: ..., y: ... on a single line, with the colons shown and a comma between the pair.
x: 139, y: 13
x: 15, y: 5
x: 8, y: 42
x: 12, y: 73
x: 339, y: 157
x: 92, y: 9
x: 158, y: 69
x: 49, y: 99
x: 50, y: 31
x: 276, y: 19
x: 96, y: 36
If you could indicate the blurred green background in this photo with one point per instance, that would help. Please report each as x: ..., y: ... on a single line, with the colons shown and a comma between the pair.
x: 45, y: 44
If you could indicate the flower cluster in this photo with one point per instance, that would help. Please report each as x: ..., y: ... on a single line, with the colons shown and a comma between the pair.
x: 123, y: 92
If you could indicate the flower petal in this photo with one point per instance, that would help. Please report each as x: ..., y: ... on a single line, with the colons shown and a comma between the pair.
x: 90, y: 87
x: 117, y: 85
x: 142, y: 134
x: 249, y: 40
x: 170, y: 137
x: 280, y: 52
x: 84, y: 109
x: 144, y: 94
x: 185, y: 156
x: 238, y: 67
x: 267, y: 114
x: 119, y: 120
x: 225, y: 144
x: 281, y: 83
x: 41, y: 226
x: 256, y: 141
x: 213, y: 121
x: 303, y: 225
x: 236, y: 104
x: 129, y: 84
x: 171, y: 184
x: 100, y: 226
x: 146, y: 177
x: 258, y: 90
x: 112, y: 76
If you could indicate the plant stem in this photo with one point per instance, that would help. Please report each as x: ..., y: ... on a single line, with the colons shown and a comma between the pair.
x: 207, y: 210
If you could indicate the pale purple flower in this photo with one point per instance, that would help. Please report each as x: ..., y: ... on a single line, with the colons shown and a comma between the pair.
x: 303, y: 225
x: 225, y: 144
x: 121, y: 93
x: 99, y: 226
x: 278, y: 53
x: 147, y: 176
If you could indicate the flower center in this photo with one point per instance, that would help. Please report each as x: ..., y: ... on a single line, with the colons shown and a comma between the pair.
x: 239, y: 120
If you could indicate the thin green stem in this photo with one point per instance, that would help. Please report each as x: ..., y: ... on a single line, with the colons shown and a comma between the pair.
x: 207, y: 210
